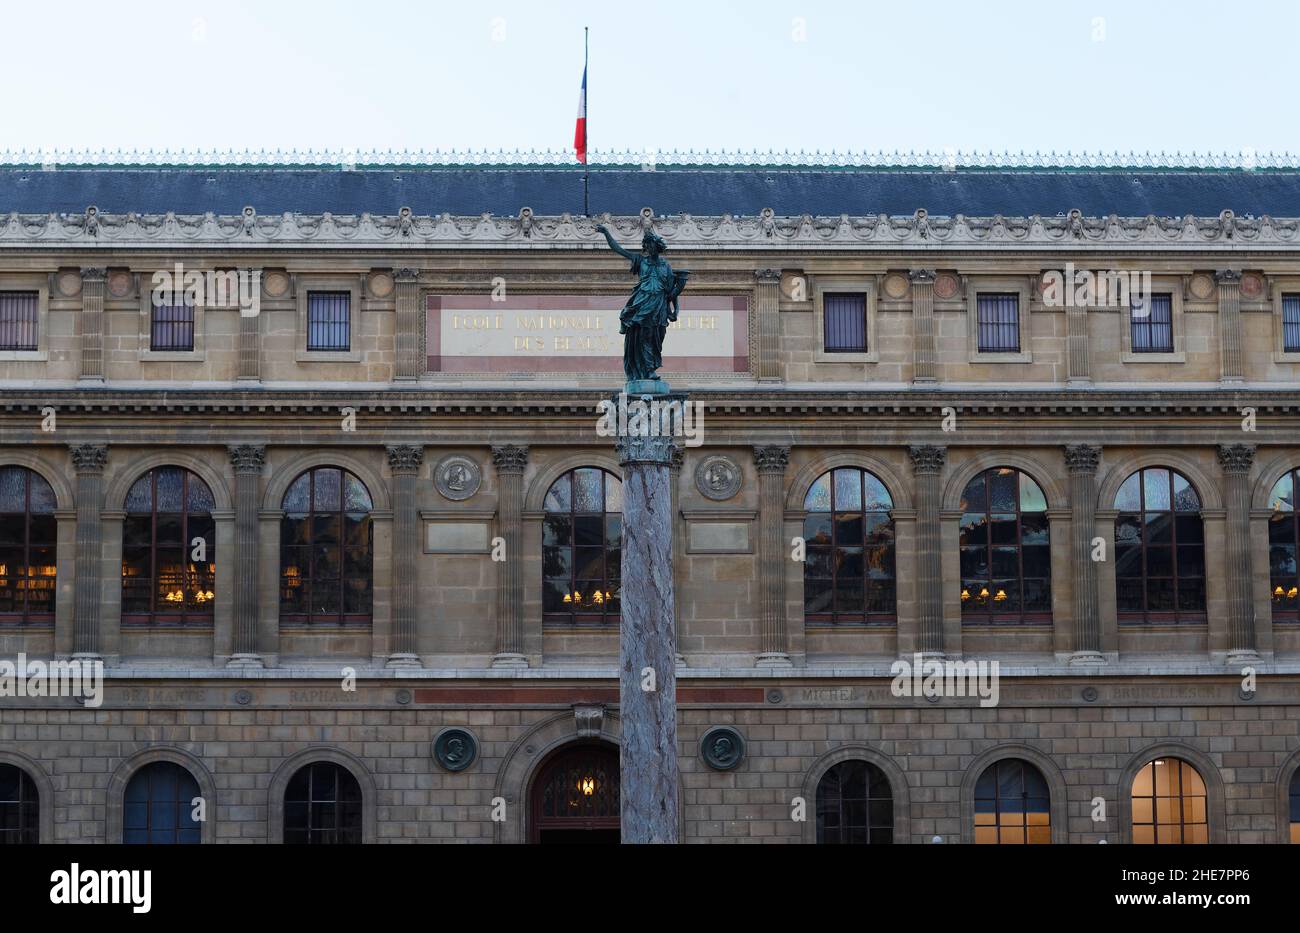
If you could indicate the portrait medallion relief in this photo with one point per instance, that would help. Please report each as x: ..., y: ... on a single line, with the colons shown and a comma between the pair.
x: 457, y: 477
x: 945, y: 285
x: 717, y: 478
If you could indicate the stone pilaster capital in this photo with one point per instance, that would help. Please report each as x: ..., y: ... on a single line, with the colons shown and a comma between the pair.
x: 404, y: 458
x: 94, y: 274
x: 88, y: 458
x: 509, y: 458
x: 1227, y: 277
x: 771, y: 458
x: 921, y: 276
x: 1236, y: 458
x: 247, y: 458
x: 767, y: 276
x: 678, y: 455
x: 927, y: 459
x: 1082, y: 458
x: 653, y: 448
x: 406, y: 275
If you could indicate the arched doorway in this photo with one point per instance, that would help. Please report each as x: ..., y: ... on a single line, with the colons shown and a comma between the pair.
x: 574, y: 798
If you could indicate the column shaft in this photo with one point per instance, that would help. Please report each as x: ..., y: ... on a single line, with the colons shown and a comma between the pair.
x: 1081, y: 460
x: 768, y: 311
x: 88, y: 460
x: 1236, y: 461
x: 510, y: 461
x: 771, y: 462
x: 927, y: 465
x: 1230, y: 326
x: 923, y: 364
x: 404, y: 461
x: 409, y: 325
x: 247, y: 461
x: 92, y: 323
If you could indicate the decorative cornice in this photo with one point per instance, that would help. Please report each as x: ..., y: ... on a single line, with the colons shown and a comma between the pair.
x: 510, y: 458
x: 766, y: 230
x: 88, y: 458
x: 247, y: 458
x: 772, y: 458
x: 1236, y: 458
x: 927, y: 459
x: 404, y: 458
x: 1082, y: 458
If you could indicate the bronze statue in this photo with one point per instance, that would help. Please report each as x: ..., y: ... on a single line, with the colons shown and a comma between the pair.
x: 652, y: 307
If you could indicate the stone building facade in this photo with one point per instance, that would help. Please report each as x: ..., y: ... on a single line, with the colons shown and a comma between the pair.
x: 396, y: 389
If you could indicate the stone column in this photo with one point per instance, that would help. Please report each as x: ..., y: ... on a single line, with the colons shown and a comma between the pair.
x: 510, y: 461
x: 1236, y: 461
x: 648, y: 643
x: 1078, y: 369
x: 92, y: 324
x: 771, y: 462
x: 247, y: 461
x: 678, y: 455
x: 1230, y: 326
x: 250, y: 335
x: 927, y: 465
x: 767, y: 301
x: 404, y: 461
x: 923, y: 350
x: 409, y: 325
x: 88, y: 460
x: 1081, y: 461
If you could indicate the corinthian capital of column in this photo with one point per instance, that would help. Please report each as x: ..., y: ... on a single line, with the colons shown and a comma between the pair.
x: 927, y: 459
x: 1236, y: 458
x: 510, y: 458
x: 88, y: 458
x: 403, y: 458
x: 247, y: 458
x: 771, y: 458
x: 1082, y: 458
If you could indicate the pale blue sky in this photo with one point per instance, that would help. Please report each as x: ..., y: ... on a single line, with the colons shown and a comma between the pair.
x: 668, y: 75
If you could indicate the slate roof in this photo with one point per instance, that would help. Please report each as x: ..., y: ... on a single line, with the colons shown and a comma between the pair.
x: 503, y: 190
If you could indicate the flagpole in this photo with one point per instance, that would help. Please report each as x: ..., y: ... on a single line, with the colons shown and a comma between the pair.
x: 586, y: 163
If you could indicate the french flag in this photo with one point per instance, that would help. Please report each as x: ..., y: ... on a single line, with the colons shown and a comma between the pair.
x: 580, y: 128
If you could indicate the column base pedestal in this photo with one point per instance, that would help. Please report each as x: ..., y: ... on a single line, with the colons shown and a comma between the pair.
x: 87, y: 656
x: 1248, y: 656
x: 679, y: 661
x: 402, y: 659
x: 1083, y: 658
x: 773, y: 659
x: 509, y: 659
x: 245, y: 660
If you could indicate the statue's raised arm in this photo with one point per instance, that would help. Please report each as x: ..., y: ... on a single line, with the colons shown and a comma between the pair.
x: 613, y: 244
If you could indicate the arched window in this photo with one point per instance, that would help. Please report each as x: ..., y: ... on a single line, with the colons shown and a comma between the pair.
x: 326, y: 574
x: 1169, y: 804
x: 158, y: 807
x: 575, y: 796
x: 582, y: 536
x: 20, y: 807
x: 1159, y: 549
x: 1006, y: 550
x: 855, y: 805
x: 1294, y: 800
x: 322, y: 806
x: 169, y: 550
x: 848, y: 573
x: 1283, y: 543
x: 28, y: 534
x: 1012, y: 805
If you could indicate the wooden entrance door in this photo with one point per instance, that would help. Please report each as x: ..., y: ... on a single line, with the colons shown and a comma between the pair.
x: 575, y: 798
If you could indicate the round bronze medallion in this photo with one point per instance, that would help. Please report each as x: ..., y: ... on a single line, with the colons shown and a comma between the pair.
x: 457, y: 477
x: 722, y: 748
x: 455, y: 748
x: 717, y: 478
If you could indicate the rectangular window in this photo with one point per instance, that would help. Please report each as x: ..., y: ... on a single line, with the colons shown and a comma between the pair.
x: 999, y: 323
x: 171, y: 327
x: 329, y: 321
x: 845, y: 317
x: 18, y: 316
x: 1291, y: 323
x: 1151, y: 324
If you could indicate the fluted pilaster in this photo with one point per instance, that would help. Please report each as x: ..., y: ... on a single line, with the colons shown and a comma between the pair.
x: 1082, y: 460
x: 88, y: 460
x: 510, y: 461
x: 927, y: 466
x: 247, y: 461
x: 767, y: 301
x: 92, y: 324
x: 923, y: 350
x: 404, y: 462
x: 771, y: 461
x: 1230, y: 326
x: 409, y: 326
x: 1236, y: 461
